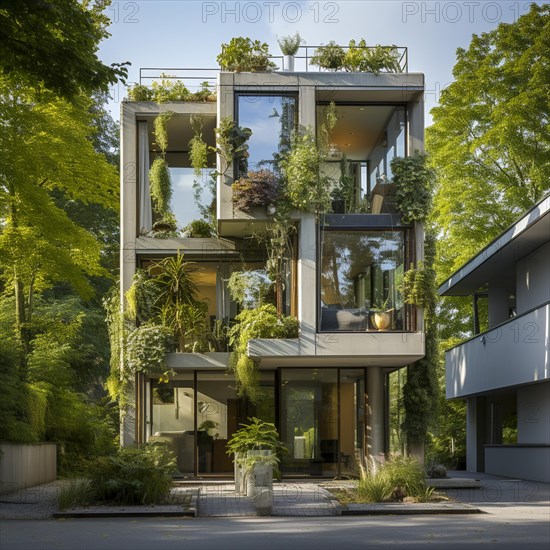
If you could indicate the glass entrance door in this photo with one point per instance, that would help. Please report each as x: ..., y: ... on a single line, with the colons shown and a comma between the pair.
x: 322, y: 420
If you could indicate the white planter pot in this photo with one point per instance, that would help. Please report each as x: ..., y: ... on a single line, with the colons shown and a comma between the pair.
x: 288, y: 63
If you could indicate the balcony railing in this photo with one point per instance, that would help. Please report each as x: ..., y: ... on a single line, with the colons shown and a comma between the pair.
x: 514, y: 352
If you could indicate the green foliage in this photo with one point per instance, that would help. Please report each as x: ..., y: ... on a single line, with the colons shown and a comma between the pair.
x: 257, y: 188
x: 198, y: 149
x: 146, y: 349
x: 245, y: 55
x: 160, y: 130
x: 330, y: 56
x: 261, y: 322
x: 257, y: 435
x: 307, y: 187
x: 134, y: 476
x: 490, y: 140
x: 77, y: 493
x: 168, y: 91
x: 290, y: 44
x: 414, y: 182
x: 141, y: 298
x: 232, y: 144
x: 420, y: 393
x: 360, y: 58
x: 396, y: 478
x: 199, y: 229
x: 54, y: 44
x: 161, y: 187
x: 249, y: 288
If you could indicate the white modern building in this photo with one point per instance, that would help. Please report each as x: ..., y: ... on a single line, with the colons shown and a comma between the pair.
x: 504, y: 372
x: 325, y: 390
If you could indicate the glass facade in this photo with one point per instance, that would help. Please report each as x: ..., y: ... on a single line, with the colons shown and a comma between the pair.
x: 360, y: 275
x: 362, y: 145
x: 272, y: 118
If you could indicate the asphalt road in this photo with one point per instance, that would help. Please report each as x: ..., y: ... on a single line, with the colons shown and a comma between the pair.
x: 509, y: 528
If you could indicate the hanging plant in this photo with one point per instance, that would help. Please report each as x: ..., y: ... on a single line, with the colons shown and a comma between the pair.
x: 232, y: 144
x: 261, y: 322
x: 249, y: 288
x: 146, y: 349
x: 160, y: 184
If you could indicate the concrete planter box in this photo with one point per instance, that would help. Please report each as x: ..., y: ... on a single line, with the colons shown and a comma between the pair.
x: 26, y: 464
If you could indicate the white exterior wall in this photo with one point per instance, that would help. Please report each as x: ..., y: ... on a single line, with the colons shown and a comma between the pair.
x: 533, y: 279
x: 534, y: 414
x: 509, y: 355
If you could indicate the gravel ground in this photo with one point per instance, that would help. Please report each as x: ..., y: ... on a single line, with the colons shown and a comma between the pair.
x: 38, y: 502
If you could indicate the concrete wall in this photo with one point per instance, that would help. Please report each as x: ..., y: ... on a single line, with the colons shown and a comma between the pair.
x: 524, y: 462
x: 533, y: 274
x: 533, y: 406
x: 26, y: 464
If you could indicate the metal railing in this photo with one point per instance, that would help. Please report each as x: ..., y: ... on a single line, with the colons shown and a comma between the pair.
x: 193, y: 77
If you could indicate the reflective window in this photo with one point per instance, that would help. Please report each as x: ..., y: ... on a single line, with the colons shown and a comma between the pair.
x: 272, y: 118
x: 359, y: 282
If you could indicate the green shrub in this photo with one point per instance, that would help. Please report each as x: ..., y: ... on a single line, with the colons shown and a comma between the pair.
x: 245, y: 55
x: 330, y: 56
x: 135, y: 476
x: 76, y: 493
x: 395, y: 479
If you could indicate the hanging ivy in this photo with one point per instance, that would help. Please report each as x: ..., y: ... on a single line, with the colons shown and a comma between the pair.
x: 413, y: 187
x: 420, y: 393
x: 251, y: 324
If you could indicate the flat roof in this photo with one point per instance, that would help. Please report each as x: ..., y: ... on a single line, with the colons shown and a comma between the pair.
x: 497, y: 260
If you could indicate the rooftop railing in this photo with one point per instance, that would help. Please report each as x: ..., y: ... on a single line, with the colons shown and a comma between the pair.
x: 193, y: 77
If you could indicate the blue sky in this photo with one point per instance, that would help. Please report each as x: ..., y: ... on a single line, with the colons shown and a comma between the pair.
x: 178, y: 33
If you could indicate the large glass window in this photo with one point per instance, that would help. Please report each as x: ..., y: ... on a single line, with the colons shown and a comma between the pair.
x: 272, y: 118
x: 362, y: 145
x: 359, y: 281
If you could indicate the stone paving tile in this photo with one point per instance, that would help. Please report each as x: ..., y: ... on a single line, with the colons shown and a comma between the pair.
x: 290, y: 499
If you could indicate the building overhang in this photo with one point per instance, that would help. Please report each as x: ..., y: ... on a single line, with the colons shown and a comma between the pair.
x: 496, y: 262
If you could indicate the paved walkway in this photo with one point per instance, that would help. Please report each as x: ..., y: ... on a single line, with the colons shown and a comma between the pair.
x: 289, y: 499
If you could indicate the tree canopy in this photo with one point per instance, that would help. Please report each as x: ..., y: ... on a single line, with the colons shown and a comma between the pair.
x: 490, y: 140
x: 53, y: 43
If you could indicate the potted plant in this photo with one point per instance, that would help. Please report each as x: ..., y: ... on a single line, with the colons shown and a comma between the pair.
x: 289, y: 47
x: 245, y: 444
x: 329, y: 57
x: 245, y: 55
x: 381, y: 316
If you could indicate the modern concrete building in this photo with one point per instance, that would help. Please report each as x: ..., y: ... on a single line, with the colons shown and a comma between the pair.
x: 326, y: 390
x: 504, y: 372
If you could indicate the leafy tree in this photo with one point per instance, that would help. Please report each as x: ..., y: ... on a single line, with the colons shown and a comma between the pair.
x: 47, y: 151
x: 490, y: 141
x: 53, y: 43
x: 490, y: 147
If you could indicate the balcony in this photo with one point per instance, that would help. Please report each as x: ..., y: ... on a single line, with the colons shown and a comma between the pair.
x: 513, y: 353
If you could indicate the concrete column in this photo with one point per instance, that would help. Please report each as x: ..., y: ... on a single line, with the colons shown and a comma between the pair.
x: 128, y: 233
x: 475, y: 434
x: 375, y: 411
x: 415, y: 119
x: 307, y: 284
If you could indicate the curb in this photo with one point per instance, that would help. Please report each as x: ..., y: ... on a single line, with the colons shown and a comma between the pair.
x: 386, y: 511
x: 190, y: 511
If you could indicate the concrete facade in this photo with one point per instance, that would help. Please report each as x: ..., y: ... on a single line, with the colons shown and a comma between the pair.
x: 375, y: 351
x: 504, y: 373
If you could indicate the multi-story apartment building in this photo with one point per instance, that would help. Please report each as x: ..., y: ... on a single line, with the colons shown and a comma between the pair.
x: 504, y: 371
x: 325, y: 390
